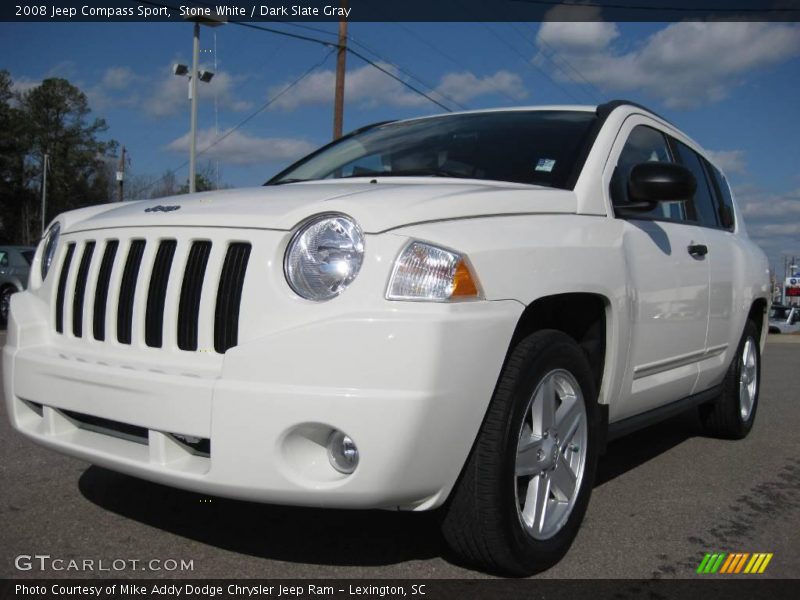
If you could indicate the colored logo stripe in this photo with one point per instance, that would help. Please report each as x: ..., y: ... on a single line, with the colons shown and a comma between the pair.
x: 711, y: 563
x: 735, y: 562
x: 758, y: 563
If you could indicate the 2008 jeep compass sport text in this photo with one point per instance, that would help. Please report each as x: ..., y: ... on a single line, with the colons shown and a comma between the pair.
x: 453, y: 312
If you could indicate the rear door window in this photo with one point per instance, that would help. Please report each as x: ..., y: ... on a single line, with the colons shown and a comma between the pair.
x: 704, y: 203
x: 726, y: 212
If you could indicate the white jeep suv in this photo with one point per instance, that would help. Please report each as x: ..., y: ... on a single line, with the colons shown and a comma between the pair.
x: 450, y: 312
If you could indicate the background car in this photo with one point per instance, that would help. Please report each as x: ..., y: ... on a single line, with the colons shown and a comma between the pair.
x: 784, y: 319
x: 15, y: 264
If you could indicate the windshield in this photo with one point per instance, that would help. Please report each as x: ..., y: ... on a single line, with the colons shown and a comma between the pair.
x: 536, y: 147
x: 780, y: 313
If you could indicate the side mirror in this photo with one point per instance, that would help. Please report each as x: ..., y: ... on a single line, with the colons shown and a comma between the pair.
x: 652, y: 182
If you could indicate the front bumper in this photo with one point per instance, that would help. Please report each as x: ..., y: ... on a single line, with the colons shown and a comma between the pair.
x: 409, y: 382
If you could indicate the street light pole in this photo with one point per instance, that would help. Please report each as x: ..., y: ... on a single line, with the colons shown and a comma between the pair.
x: 121, y: 176
x: 193, y: 96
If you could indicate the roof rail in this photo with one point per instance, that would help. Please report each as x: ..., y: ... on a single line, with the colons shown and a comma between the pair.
x: 603, y: 110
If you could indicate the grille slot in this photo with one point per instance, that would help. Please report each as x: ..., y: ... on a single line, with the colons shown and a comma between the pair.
x: 189, y: 290
x: 157, y: 294
x: 62, y: 288
x: 132, y: 433
x: 189, y: 308
x: 229, y: 296
x: 127, y: 291
x: 101, y: 293
x: 80, y: 289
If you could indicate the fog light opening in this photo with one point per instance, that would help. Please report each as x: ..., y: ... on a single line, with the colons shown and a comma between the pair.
x: 342, y: 452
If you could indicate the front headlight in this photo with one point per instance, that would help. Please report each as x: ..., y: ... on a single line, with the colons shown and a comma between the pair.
x: 426, y: 272
x: 49, y: 249
x: 324, y: 257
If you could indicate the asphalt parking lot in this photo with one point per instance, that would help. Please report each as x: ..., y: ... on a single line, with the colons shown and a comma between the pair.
x: 664, y: 497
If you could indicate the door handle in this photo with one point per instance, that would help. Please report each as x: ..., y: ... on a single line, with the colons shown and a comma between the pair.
x: 698, y: 250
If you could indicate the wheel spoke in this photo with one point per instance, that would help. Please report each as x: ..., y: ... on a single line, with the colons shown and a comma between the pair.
x: 568, y: 419
x: 535, y: 511
x: 527, y: 463
x: 751, y: 355
x: 564, y: 480
x: 745, y: 401
x: 544, y: 404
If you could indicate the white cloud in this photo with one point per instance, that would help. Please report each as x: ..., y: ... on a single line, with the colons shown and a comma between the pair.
x: 170, y: 94
x: 463, y: 87
x: 685, y: 65
x: 368, y: 87
x: 592, y: 34
x: 24, y: 84
x: 117, y: 87
x: 759, y: 205
x: 118, y: 78
x: 772, y: 220
x: 242, y: 149
x: 161, y: 96
x: 732, y: 162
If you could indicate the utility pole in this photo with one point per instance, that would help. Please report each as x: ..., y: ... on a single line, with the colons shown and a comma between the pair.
x: 338, y: 100
x: 44, y: 191
x: 121, y: 173
x: 193, y: 96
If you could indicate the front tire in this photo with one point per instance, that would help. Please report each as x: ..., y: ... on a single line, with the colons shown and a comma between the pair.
x: 522, y: 495
x: 732, y: 414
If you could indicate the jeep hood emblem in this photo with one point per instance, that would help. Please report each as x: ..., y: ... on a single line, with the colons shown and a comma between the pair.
x: 161, y: 208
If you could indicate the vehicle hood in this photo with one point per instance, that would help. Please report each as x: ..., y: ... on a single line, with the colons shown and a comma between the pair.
x: 377, y: 207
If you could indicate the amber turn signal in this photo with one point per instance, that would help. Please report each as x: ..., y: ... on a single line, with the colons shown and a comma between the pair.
x: 464, y: 285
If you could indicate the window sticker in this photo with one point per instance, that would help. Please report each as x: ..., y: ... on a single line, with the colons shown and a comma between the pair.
x: 545, y: 164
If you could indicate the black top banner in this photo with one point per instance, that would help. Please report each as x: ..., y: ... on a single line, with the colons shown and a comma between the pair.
x: 401, y: 10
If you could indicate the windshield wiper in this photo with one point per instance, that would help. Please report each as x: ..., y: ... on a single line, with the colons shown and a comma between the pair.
x: 428, y: 172
x: 282, y: 181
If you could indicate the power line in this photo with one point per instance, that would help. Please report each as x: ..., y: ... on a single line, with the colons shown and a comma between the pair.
x: 531, y: 65
x: 524, y: 58
x: 269, y: 102
x: 409, y: 74
x: 598, y: 95
x: 693, y: 9
x: 326, y: 43
x: 448, y: 57
x: 349, y: 50
x: 403, y: 70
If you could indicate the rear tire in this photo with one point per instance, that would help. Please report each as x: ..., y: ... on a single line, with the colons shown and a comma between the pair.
x: 525, y: 487
x: 732, y: 414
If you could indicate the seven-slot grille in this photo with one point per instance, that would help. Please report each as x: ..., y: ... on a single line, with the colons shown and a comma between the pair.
x: 94, y: 261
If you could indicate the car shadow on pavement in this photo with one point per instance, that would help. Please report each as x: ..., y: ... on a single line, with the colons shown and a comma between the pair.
x: 627, y: 453
x: 307, y: 535
x: 322, y: 536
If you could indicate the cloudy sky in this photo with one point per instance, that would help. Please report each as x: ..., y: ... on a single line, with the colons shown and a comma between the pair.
x: 733, y: 87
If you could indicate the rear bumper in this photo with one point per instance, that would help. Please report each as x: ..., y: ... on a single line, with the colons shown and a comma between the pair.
x: 410, y: 384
